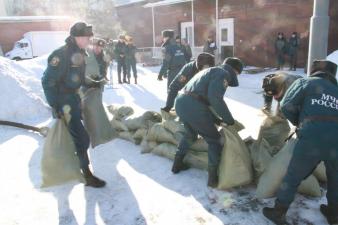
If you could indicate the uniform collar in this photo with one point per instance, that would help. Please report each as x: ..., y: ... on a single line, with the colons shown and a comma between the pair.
x: 233, y: 80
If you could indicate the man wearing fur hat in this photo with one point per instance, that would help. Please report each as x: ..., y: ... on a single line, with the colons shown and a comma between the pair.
x: 173, y: 57
x: 61, y: 81
x: 120, y: 54
x: 203, y: 61
x: 200, y: 107
x: 311, y: 104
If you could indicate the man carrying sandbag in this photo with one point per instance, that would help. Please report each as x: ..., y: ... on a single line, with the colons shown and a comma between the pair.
x: 311, y: 104
x: 201, y: 107
x: 275, y: 85
x: 61, y: 81
x: 203, y: 61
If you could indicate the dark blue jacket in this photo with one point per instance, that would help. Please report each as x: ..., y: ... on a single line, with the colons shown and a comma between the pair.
x: 173, y: 57
x: 311, y: 104
x: 210, y: 85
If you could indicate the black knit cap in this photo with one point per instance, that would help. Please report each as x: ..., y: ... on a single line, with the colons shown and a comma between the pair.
x: 235, y: 63
x: 205, y: 59
x: 324, y: 66
x: 168, y: 33
x: 81, y: 29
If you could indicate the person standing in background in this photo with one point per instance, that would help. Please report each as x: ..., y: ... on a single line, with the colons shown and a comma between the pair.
x: 187, y: 50
x: 293, y: 50
x: 131, y: 59
x: 120, y: 54
x: 210, y: 46
x: 280, y: 48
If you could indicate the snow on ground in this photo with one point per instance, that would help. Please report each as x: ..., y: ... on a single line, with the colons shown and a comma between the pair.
x: 141, y: 188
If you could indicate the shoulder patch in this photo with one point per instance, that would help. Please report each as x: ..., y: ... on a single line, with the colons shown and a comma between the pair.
x: 54, y: 61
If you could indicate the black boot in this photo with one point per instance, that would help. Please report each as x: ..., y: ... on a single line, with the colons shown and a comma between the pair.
x: 276, y: 214
x: 330, y: 213
x: 178, y: 164
x: 91, y: 180
x: 135, y: 80
x: 166, y: 109
x: 267, y: 108
x: 213, y: 176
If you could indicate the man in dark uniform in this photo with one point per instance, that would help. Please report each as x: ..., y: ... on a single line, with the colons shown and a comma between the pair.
x: 203, y: 61
x: 275, y: 85
x: 61, y: 82
x: 280, y: 50
x: 131, y: 59
x: 120, y: 54
x: 293, y: 50
x: 311, y: 104
x: 210, y: 45
x: 201, y: 107
x: 173, y: 57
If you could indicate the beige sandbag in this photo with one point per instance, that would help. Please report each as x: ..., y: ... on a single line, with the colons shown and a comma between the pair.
x: 159, y: 134
x: 271, y: 179
x: 125, y: 135
x: 95, y: 118
x: 118, y: 125
x: 147, y: 120
x: 200, y: 145
x: 320, y: 172
x: 274, y: 130
x: 173, y: 126
x: 168, y: 115
x: 120, y: 112
x: 166, y: 150
x: 139, y: 135
x: 59, y: 164
x: 147, y: 146
x: 235, y: 167
x: 197, y: 160
x: 260, y: 155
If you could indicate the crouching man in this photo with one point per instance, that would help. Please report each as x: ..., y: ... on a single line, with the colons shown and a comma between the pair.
x: 311, y: 104
x: 61, y: 81
x: 275, y: 85
x: 201, y: 107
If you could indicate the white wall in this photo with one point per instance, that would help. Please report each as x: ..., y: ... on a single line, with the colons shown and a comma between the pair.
x: 3, y: 11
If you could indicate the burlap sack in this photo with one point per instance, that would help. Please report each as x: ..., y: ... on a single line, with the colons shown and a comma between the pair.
x: 200, y: 145
x: 260, y: 155
x: 168, y: 115
x: 166, y: 150
x: 274, y: 130
x: 158, y: 133
x: 271, y: 179
x: 95, y: 118
x: 120, y: 112
x: 118, y: 125
x: 320, y: 172
x: 173, y: 126
x: 125, y: 135
x: 147, y: 146
x: 59, y: 164
x: 235, y: 167
x: 145, y: 121
x: 139, y: 135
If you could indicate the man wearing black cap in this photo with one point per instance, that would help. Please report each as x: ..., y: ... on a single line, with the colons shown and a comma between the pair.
x: 203, y: 61
x: 173, y: 57
x: 120, y: 54
x: 61, y: 81
x: 201, y: 107
x: 311, y: 104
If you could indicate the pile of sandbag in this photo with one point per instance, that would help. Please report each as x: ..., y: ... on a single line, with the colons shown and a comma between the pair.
x: 271, y: 156
x: 162, y: 138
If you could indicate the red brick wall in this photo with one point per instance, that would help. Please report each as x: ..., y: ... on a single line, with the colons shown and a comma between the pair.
x: 12, y: 32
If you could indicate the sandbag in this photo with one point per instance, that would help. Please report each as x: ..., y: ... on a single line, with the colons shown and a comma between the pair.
x: 120, y: 112
x: 235, y: 167
x: 145, y: 121
x: 166, y: 150
x: 260, y: 155
x: 320, y: 172
x: 95, y: 118
x: 159, y: 134
x: 275, y: 131
x: 118, y: 125
x: 125, y: 135
x: 59, y: 163
x: 168, y: 115
x: 200, y: 145
x: 147, y: 146
x: 173, y: 126
x: 197, y: 160
x: 139, y: 135
x: 271, y: 179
